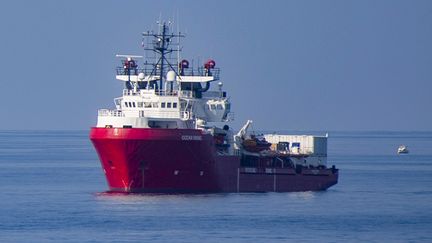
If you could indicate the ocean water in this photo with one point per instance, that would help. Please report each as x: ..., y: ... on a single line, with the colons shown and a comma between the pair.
x: 52, y: 190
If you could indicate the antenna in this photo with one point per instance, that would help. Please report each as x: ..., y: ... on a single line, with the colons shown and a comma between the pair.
x: 178, y: 46
x: 161, y: 46
x: 127, y: 56
x: 159, y: 22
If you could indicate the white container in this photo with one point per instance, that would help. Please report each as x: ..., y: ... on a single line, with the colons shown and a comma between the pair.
x: 315, y: 147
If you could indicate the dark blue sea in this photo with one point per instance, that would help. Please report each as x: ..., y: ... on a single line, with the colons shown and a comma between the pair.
x: 52, y: 190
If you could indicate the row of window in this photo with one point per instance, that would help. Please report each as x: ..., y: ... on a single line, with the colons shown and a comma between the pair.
x: 167, y: 105
x: 151, y: 104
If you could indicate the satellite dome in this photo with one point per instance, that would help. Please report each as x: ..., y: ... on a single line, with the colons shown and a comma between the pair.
x: 171, y: 75
x: 141, y: 76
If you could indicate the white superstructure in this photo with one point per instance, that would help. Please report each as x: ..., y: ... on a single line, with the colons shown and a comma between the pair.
x: 161, y: 95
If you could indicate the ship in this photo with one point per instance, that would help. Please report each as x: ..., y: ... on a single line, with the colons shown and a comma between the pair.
x: 162, y: 136
x: 402, y: 149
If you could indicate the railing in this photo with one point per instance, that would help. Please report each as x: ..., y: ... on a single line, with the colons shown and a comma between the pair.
x: 106, y: 112
x: 124, y: 71
x: 186, y: 72
x: 117, y: 113
x: 186, y: 94
x: 213, y: 94
x: 162, y: 114
x: 230, y: 116
x: 181, y: 93
x: 166, y: 93
x: 201, y: 72
x: 130, y: 92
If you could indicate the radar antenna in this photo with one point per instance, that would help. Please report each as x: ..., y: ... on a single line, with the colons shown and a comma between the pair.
x: 161, y: 46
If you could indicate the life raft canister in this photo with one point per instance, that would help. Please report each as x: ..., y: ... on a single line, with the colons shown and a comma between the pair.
x: 210, y: 64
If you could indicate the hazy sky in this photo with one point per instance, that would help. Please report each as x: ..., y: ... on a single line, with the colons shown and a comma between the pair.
x: 287, y: 65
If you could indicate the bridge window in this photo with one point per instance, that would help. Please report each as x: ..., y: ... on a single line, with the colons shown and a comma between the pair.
x: 130, y: 104
x: 163, y: 105
x: 212, y: 107
x: 219, y: 107
x: 140, y: 104
x: 155, y: 105
x: 168, y: 104
x: 133, y: 104
x: 126, y: 104
x: 147, y: 105
x: 175, y: 105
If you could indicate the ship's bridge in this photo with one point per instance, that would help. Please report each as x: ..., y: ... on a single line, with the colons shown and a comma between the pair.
x: 168, y: 109
x: 162, y: 94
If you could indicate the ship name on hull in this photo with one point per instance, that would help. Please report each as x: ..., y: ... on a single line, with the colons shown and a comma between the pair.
x: 191, y: 137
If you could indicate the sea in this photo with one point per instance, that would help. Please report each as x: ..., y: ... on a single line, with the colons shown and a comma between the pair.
x: 52, y: 189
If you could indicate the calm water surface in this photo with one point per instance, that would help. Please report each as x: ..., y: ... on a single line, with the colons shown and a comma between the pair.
x: 52, y: 189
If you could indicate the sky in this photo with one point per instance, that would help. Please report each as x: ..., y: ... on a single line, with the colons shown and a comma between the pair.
x: 287, y: 65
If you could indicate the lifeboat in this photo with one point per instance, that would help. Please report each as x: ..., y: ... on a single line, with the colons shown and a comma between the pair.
x: 255, y: 145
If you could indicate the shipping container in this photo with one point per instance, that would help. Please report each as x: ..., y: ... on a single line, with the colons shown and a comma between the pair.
x: 313, y: 147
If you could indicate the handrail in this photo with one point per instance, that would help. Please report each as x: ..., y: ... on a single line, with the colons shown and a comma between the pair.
x: 123, y: 71
x: 213, y: 94
x: 201, y: 71
x: 166, y: 93
x: 162, y: 114
x: 131, y: 92
x: 117, y: 113
x: 230, y: 116
x: 186, y: 93
x: 106, y: 112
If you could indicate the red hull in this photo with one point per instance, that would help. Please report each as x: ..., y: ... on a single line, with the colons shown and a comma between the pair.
x: 185, y: 160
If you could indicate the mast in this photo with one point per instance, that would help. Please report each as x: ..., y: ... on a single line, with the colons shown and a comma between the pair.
x: 162, y: 50
x: 161, y: 42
